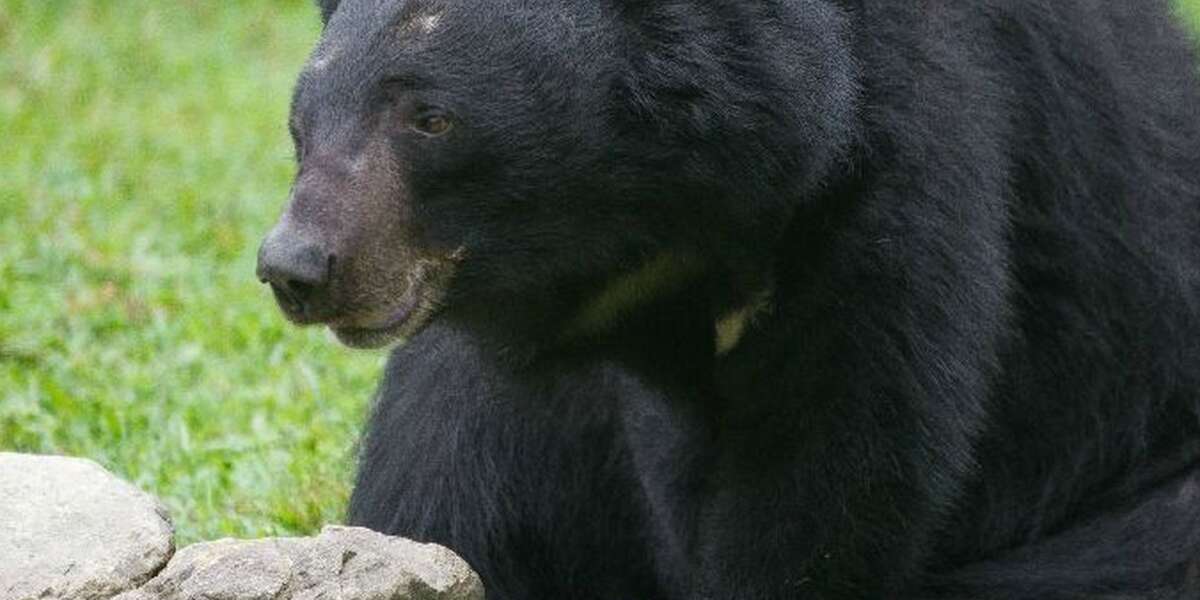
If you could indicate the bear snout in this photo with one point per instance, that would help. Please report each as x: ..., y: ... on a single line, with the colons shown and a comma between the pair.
x: 298, y: 270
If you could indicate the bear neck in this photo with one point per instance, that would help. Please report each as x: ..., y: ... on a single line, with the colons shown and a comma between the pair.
x: 671, y: 294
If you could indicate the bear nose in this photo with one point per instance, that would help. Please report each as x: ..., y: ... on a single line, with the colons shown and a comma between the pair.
x: 297, y: 269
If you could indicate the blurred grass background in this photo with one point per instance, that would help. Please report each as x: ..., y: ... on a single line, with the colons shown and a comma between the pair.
x: 143, y: 152
x: 1191, y: 12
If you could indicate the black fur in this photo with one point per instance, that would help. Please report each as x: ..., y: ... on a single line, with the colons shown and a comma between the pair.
x: 979, y: 375
x: 327, y: 7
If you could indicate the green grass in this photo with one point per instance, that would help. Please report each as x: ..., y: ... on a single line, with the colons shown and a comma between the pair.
x: 1191, y: 12
x: 142, y: 154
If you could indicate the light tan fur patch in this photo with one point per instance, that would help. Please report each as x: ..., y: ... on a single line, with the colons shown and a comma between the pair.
x: 658, y: 276
x: 732, y: 327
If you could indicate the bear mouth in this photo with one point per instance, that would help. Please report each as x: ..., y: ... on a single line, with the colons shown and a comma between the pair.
x: 393, y: 330
x: 427, y: 286
x: 404, y: 323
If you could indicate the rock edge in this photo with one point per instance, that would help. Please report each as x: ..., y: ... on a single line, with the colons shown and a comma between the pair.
x: 70, y: 530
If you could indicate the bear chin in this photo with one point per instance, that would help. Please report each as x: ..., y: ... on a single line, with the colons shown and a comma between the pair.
x: 367, y: 339
x: 406, y: 323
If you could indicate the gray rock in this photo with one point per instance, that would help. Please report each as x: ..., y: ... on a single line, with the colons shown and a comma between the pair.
x: 343, y: 563
x: 71, y: 530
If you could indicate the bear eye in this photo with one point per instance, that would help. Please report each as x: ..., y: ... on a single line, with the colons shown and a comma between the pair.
x: 432, y: 124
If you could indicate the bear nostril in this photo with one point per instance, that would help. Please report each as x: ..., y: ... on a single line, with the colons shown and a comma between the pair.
x: 287, y: 297
x: 300, y: 290
x: 298, y: 270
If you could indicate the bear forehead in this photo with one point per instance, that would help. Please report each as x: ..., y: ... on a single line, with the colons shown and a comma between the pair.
x: 362, y: 18
x: 365, y: 18
x: 368, y: 23
x: 420, y: 18
x: 421, y: 23
x: 367, y: 39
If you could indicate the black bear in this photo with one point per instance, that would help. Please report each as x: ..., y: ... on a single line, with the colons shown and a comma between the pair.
x: 765, y: 299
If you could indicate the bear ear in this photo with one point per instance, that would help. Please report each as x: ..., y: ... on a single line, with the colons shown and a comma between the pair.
x: 327, y: 7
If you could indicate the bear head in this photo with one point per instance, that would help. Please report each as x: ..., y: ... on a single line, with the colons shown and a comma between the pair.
x: 508, y: 162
